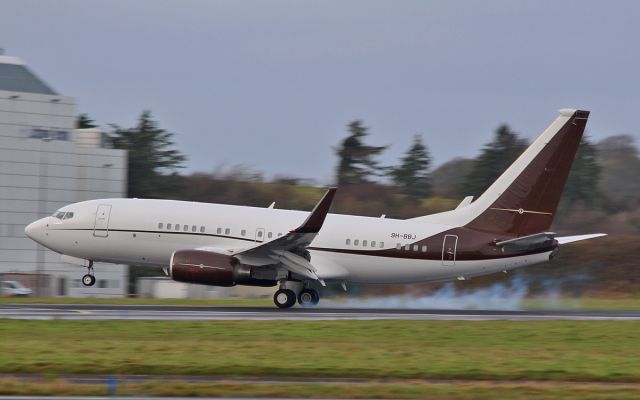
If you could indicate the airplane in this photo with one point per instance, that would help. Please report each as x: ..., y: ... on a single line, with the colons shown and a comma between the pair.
x: 301, y: 252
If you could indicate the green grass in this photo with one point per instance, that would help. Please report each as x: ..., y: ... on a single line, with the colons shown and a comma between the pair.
x: 393, y: 390
x: 583, y: 303
x: 602, y: 351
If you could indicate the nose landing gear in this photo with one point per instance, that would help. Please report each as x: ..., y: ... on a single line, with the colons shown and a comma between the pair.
x: 89, y: 279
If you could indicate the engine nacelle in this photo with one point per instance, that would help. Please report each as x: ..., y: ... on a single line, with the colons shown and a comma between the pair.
x: 208, y: 268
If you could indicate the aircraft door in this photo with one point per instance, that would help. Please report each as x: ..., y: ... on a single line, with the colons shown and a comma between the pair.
x: 449, y: 247
x: 101, y: 227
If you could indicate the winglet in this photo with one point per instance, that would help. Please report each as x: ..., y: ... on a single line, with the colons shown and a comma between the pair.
x: 314, y: 221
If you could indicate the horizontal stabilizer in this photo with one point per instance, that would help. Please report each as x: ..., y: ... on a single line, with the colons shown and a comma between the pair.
x: 539, y: 239
x: 530, y: 241
x: 576, y: 238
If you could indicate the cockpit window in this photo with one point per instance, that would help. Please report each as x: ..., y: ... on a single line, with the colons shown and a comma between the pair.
x: 63, y: 214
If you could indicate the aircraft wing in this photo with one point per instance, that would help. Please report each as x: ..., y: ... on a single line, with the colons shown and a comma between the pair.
x: 289, y: 250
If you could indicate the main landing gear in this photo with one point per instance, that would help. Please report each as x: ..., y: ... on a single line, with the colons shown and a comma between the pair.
x: 308, y: 298
x: 285, y: 298
x: 89, y: 279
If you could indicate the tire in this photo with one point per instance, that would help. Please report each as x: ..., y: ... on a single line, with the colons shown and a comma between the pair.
x: 308, y: 298
x: 284, y: 298
x: 88, y: 280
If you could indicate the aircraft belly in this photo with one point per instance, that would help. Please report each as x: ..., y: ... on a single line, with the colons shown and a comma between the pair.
x: 381, y: 270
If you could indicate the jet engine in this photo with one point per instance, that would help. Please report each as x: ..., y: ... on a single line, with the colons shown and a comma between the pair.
x: 209, y: 268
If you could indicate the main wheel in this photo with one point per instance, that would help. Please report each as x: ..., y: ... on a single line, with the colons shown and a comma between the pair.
x: 308, y: 298
x: 284, y: 298
x: 88, y: 280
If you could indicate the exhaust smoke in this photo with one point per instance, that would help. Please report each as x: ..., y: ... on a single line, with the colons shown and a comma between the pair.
x: 509, y: 295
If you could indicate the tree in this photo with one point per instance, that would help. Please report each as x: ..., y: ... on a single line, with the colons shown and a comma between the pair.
x: 448, y: 179
x: 84, y: 122
x: 494, y: 159
x: 582, y: 183
x: 619, y: 183
x: 152, y: 160
x: 412, y: 175
x: 356, y: 160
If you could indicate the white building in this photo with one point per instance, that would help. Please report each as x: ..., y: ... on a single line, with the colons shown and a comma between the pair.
x: 45, y: 164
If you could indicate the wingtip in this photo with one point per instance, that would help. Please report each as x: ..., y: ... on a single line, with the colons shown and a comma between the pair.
x: 315, y: 220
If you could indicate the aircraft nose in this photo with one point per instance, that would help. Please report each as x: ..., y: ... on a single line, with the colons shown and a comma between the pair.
x: 30, y: 229
x: 34, y: 229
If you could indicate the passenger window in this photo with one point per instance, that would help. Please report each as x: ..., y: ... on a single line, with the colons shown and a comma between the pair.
x: 364, y: 243
x: 219, y: 230
x: 177, y: 227
x: 194, y: 228
x: 424, y: 249
x: 259, y: 234
x: 270, y: 235
x: 348, y: 242
x: 227, y: 231
x: 356, y: 242
x: 243, y: 232
x: 168, y: 226
x: 415, y: 247
x: 407, y: 247
x: 160, y: 225
x: 186, y: 228
x: 399, y: 246
x: 373, y: 243
x: 279, y: 234
x: 202, y: 229
x: 382, y: 245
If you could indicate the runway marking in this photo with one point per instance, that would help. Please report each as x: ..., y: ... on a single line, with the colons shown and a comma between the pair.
x: 188, y: 313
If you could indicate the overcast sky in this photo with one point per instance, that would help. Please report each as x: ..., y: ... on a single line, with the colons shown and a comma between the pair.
x: 272, y: 84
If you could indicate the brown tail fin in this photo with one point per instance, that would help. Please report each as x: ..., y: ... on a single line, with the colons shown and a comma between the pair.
x: 524, y: 199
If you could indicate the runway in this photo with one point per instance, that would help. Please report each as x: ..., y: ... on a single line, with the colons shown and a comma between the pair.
x: 203, y: 313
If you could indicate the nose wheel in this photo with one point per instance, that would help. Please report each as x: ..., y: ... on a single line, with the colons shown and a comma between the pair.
x: 89, y: 279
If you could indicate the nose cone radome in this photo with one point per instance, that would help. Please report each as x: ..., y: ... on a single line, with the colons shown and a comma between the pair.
x: 35, y: 230
x: 30, y: 230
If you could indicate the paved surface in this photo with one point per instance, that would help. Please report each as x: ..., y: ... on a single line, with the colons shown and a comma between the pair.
x: 170, y: 313
x: 141, y: 398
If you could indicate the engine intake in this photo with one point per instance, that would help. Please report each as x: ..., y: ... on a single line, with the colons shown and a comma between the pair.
x: 208, y: 268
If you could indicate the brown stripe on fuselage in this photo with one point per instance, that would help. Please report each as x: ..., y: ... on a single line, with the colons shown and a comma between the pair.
x: 471, y: 246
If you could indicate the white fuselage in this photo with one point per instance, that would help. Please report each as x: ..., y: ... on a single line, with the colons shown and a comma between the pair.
x: 147, y: 232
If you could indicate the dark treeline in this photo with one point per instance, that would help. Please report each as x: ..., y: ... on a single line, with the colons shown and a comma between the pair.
x: 602, y: 192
